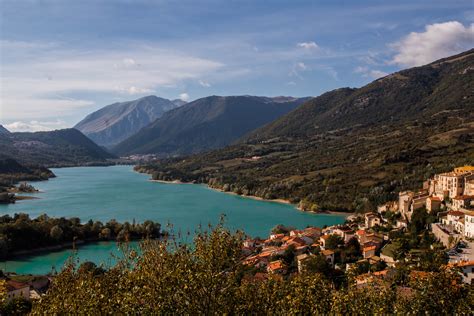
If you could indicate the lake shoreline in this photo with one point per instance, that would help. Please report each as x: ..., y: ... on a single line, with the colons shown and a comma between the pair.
x: 103, y: 193
x: 253, y: 197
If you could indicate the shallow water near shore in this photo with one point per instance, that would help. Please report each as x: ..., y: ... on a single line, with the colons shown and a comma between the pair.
x: 117, y: 192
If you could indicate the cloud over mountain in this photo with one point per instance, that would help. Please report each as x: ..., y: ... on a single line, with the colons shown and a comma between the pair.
x: 437, y: 41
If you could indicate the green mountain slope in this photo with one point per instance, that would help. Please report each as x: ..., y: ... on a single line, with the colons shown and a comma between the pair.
x: 205, y: 124
x: 350, y: 149
x: 60, y: 147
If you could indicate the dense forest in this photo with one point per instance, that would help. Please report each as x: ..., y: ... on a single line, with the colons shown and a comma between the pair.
x: 349, y: 149
x: 66, y: 147
x: 207, y: 277
x: 20, y: 233
x: 12, y: 172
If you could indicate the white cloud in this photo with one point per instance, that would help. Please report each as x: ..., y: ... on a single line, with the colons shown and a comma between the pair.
x: 35, y: 78
x: 134, y: 90
x: 361, y: 69
x: 204, y: 84
x: 184, y: 96
x: 377, y: 74
x: 129, y: 62
x: 308, y: 45
x: 366, y: 72
x: 34, y: 126
x: 437, y: 41
x: 301, y: 66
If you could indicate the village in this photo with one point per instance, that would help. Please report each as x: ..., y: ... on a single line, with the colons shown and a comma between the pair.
x: 424, y: 231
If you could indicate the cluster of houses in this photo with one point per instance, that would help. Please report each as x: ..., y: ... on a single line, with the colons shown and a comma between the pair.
x: 311, y: 241
x: 30, y: 290
x: 450, y: 195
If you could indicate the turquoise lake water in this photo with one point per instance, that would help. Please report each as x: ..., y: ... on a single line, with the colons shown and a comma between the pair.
x: 117, y: 192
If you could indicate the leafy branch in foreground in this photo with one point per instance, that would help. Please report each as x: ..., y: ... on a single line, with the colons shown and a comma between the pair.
x: 207, y: 277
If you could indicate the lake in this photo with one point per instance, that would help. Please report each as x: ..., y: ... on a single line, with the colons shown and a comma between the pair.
x: 117, y: 192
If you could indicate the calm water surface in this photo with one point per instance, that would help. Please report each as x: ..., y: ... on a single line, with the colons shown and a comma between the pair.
x: 104, y: 193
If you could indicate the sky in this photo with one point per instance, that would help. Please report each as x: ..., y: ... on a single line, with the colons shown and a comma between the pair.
x: 61, y: 60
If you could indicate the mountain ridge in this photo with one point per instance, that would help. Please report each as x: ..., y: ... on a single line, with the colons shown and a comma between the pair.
x: 3, y: 130
x: 118, y: 121
x: 204, y: 124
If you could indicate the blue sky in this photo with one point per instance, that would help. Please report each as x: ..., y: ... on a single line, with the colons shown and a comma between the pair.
x: 61, y: 60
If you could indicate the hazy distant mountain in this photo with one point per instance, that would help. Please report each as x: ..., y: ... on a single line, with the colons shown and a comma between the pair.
x: 3, y: 130
x: 60, y: 147
x: 179, y: 102
x: 118, y: 121
x: 205, y: 124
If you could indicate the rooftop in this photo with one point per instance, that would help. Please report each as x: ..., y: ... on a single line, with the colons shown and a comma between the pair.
x: 327, y: 252
x: 276, y: 265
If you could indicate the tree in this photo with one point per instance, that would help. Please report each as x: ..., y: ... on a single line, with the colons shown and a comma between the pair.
x: 281, y: 229
x: 351, y: 252
x: 418, y: 221
x: 56, y: 233
x: 317, y: 264
x: 206, y: 278
x: 333, y: 242
x: 106, y: 233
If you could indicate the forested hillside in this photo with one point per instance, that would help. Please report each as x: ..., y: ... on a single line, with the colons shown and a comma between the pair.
x: 350, y: 149
x: 66, y: 147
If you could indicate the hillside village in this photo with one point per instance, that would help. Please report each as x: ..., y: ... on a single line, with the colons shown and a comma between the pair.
x: 424, y: 231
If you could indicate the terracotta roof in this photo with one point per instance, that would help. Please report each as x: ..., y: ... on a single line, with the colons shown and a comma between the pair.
x: 463, y: 197
x: 327, y: 252
x: 369, y: 248
x: 360, y: 232
x: 276, y: 265
x: 382, y: 273
x: 456, y: 213
x: 296, y: 240
x: 434, y: 198
x: 461, y: 264
x: 14, y: 285
x: 278, y: 235
x: 419, y: 274
x: 312, y: 229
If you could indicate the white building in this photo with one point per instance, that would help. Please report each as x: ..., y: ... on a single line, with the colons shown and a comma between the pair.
x: 469, y: 224
x: 17, y: 290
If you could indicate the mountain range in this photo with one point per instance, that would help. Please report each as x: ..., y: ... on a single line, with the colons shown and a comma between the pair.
x: 118, y: 121
x: 66, y: 147
x: 205, y: 124
x: 349, y: 149
x: 3, y: 130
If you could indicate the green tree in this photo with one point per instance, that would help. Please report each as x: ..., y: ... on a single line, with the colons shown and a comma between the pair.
x: 317, y: 264
x: 333, y: 242
x: 56, y: 232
